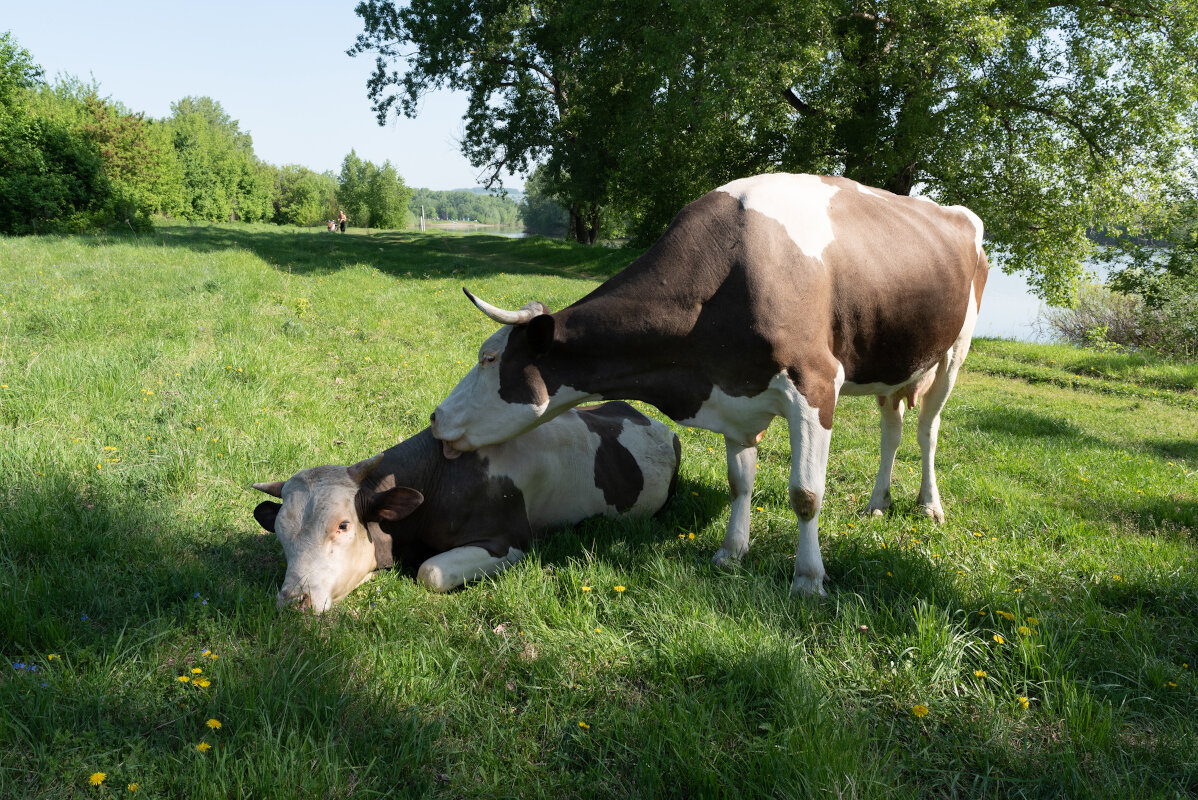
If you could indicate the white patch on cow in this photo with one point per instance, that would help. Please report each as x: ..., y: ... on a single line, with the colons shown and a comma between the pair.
x: 741, y: 419
x: 449, y: 570
x: 553, y: 466
x: 979, y: 227
x: 653, y: 449
x: 863, y: 189
x: 798, y: 202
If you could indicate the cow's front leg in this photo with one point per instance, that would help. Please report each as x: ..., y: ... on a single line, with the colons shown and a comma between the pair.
x: 892, y: 436
x: 742, y: 472
x: 809, y: 445
x: 456, y: 567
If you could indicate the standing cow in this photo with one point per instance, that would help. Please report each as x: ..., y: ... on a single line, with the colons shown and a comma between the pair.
x: 468, y: 517
x: 770, y: 296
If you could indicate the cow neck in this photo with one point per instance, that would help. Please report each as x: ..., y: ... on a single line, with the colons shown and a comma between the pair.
x: 630, y: 338
x: 415, y: 463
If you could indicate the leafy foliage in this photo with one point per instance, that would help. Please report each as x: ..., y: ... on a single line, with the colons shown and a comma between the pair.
x: 372, y: 196
x: 1048, y: 119
x: 303, y: 197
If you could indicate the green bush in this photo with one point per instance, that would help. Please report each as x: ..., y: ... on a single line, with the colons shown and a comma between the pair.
x: 1105, y: 319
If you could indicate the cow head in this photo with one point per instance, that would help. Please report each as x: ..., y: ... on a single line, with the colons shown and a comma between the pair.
x: 504, y: 394
x: 324, y: 526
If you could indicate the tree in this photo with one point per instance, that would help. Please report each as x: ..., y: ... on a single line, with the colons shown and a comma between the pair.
x: 1049, y: 118
x: 223, y: 179
x: 372, y: 196
x: 519, y: 64
x: 18, y: 71
x: 301, y: 196
x: 540, y: 211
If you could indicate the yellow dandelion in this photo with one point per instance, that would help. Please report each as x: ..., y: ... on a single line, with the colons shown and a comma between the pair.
x: 196, y: 671
x: 586, y: 588
x: 617, y: 588
x: 999, y: 639
x: 1033, y: 621
x: 1116, y: 578
x: 203, y: 683
x: 583, y: 725
x: 133, y: 787
x: 1023, y: 702
x: 214, y: 724
x: 1025, y: 630
x: 690, y: 536
x: 598, y: 630
x: 919, y: 710
x: 183, y: 679
x: 96, y: 778
x: 52, y: 656
x: 203, y: 747
x: 979, y: 673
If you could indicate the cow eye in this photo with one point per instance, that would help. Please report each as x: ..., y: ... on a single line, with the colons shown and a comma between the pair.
x: 344, y: 526
x: 488, y: 358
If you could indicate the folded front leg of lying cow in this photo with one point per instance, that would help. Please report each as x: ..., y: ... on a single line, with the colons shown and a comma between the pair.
x: 467, y: 517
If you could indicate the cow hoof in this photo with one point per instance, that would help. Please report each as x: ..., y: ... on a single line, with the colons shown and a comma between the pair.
x: 934, y: 513
x: 874, y: 511
x: 806, y: 586
x: 725, y: 559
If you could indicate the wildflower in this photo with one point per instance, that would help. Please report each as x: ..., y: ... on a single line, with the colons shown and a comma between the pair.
x: 196, y: 671
x: 1025, y: 630
x: 183, y: 679
x: 205, y: 651
x: 133, y: 787
x: 1023, y: 702
x: 583, y: 725
x: 1171, y: 685
x: 1007, y: 615
x: 97, y: 778
x: 919, y: 710
x: 52, y: 656
x: 617, y: 589
x: 999, y: 639
x: 1116, y: 578
x: 598, y: 630
x: 979, y: 673
x: 586, y: 588
x: 203, y: 747
x: 690, y: 536
x: 203, y: 683
x: 1033, y: 621
x: 214, y: 724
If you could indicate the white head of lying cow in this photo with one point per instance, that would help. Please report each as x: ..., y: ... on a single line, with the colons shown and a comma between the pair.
x: 768, y: 297
x: 466, y: 517
x: 322, y: 524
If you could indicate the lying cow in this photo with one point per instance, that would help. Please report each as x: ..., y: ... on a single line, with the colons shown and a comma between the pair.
x: 768, y: 297
x: 467, y: 517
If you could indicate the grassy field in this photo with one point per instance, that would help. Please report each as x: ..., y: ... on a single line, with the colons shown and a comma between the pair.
x: 1042, y: 643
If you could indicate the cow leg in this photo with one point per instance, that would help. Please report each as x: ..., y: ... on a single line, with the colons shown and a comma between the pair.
x: 742, y: 472
x: 892, y: 435
x: 809, y: 445
x: 458, y: 566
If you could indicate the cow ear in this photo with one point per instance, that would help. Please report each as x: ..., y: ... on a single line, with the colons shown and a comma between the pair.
x: 540, y: 334
x: 265, y: 513
x: 395, y: 504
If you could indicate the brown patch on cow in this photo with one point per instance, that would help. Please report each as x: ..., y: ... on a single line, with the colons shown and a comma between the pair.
x: 804, y: 503
x: 617, y: 474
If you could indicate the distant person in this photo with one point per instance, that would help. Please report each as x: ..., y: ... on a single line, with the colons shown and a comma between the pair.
x: 341, y: 219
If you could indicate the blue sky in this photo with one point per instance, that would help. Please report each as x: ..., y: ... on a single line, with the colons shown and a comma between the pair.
x: 278, y: 68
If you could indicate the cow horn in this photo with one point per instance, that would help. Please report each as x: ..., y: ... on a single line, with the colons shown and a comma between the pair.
x: 363, y: 468
x: 505, y: 317
x: 274, y: 488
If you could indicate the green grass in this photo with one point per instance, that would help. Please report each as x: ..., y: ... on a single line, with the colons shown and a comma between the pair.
x: 148, y: 381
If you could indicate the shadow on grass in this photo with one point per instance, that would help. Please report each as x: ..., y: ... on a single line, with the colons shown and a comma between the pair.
x: 1022, y: 423
x: 112, y: 588
x: 397, y: 253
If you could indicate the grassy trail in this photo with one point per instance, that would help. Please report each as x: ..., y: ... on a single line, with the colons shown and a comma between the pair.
x: 1047, y: 629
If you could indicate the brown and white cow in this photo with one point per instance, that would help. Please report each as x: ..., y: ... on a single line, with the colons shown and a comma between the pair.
x: 468, y: 517
x: 768, y: 297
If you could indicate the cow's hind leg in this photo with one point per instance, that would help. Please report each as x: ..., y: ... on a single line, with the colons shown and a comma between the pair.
x: 892, y: 435
x: 929, y: 417
x: 809, y: 445
x: 742, y: 472
x: 456, y: 567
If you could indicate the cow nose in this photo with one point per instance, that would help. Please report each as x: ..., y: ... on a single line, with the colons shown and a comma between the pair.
x: 300, y: 602
x: 433, y: 418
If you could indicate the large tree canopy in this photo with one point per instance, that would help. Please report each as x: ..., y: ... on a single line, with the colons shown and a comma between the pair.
x: 1050, y: 119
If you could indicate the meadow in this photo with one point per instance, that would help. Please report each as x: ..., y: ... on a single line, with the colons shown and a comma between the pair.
x: 1043, y: 642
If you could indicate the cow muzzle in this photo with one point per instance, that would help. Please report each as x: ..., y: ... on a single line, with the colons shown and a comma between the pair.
x: 301, y: 602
